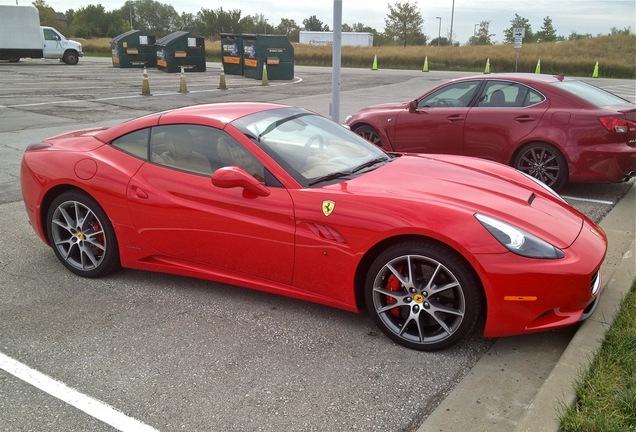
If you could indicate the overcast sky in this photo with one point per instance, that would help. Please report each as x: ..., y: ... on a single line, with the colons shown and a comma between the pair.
x: 582, y: 16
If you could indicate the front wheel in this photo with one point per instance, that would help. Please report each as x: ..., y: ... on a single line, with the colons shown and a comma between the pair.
x: 82, y: 236
x: 543, y: 162
x: 370, y: 134
x: 423, y: 296
x: 71, y: 58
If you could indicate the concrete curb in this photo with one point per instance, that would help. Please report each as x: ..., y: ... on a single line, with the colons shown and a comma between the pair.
x: 619, y: 272
x: 523, y: 382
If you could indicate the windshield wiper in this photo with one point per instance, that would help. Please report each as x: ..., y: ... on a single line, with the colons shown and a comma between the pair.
x: 331, y: 176
x: 370, y: 163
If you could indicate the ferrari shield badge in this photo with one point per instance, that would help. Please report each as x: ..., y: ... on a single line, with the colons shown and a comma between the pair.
x: 327, y: 207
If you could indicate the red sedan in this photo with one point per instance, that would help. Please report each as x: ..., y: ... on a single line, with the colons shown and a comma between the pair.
x: 280, y: 199
x: 554, y: 128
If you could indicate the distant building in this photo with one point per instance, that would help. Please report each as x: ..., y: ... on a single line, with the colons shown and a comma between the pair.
x: 326, y: 38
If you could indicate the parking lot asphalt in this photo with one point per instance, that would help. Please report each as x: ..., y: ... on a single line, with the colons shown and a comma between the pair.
x: 183, y: 354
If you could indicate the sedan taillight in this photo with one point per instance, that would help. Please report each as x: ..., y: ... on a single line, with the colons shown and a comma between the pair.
x: 617, y: 125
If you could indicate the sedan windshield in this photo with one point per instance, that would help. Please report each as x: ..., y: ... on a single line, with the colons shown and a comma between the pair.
x: 313, y: 149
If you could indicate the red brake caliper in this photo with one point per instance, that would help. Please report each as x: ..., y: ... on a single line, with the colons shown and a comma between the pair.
x: 100, y: 237
x: 393, y: 284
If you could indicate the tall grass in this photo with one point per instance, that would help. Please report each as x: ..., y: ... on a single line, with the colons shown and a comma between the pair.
x: 616, y: 56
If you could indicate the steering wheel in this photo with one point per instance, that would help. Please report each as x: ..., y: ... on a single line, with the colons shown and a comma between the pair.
x: 444, y: 103
x: 315, y: 139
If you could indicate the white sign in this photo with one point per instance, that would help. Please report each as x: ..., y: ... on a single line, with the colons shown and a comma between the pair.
x: 518, y: 42
x: 519, y: 32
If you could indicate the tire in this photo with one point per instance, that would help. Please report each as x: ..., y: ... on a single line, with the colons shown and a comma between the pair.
x: 543, y: 162
x: 14, y: 59
x: 422, y: 295
x: 82, y: 236
x: 370, y: 134
x: 70, y: 58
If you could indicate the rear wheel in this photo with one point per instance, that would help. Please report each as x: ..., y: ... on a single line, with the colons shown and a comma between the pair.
x: 423, y: 296
x: 543, y: 162
x: 370, y: 134
x: 14, y: 59
x: 82, y: 236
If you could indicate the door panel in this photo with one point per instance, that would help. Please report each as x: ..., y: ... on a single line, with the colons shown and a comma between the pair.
x: 183, y: 215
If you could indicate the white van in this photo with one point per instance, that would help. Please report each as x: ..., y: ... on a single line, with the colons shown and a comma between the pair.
x: 22, y: 36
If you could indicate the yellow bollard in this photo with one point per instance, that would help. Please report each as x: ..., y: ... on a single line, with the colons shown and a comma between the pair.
x: 425, y: 68
x: 595, y: 73
x: 487, y: 70
x: 222, y: 84
x: 183, y: 88
x: 375, y: 63
x: 537, y: 70
x: 145, y: 84
x: 265, y: 80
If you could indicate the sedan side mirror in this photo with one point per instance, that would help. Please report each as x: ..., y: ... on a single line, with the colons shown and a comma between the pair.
x: 233, y: 176
x: 413, y: 106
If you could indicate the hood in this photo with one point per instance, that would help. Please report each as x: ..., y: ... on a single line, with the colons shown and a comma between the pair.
x: 474, y: 186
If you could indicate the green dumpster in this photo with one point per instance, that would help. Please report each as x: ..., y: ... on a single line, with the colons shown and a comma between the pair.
x: 133, y: 49
x: 179, y: 50
x: 275, y: 51
x: 231, y: 53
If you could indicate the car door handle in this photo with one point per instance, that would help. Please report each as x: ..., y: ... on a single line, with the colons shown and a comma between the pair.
x: 454, y: 117
x: 140, y: 193
x: 524, y: 119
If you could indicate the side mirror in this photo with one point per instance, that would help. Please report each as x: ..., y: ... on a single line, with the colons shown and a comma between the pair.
x: 233, y: 176
x: 413, y: 106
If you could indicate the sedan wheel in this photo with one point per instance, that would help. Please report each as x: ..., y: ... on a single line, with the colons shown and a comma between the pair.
x: 82, y: 236
x: 422, y: 295
x: 543, y: 162
x: 370, y: 134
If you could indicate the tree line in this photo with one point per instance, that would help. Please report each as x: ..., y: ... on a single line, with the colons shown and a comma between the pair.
x: 403, y: 24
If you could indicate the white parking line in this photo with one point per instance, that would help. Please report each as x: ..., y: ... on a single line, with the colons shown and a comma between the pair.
x: 90, y: 406
x: 565, y: 197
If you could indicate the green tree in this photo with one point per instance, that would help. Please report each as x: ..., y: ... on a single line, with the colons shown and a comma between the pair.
x: 210, y: 22
x: 519, y: 22
x: 404, y: 23
x: 155, y: 18
x: 483, y: 35
x: 625, y: 31
x: 547, y: 32
x: 314, y: 24
x: 93, y: 21
x: 289, y: 28
x: 48, y: 16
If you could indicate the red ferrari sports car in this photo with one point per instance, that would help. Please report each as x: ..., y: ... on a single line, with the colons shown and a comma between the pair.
x: 554, y: 128
x: 280, y: 199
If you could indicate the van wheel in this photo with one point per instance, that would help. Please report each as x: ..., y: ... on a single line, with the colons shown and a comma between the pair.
x: 71, y: 58
x: 14, y: 59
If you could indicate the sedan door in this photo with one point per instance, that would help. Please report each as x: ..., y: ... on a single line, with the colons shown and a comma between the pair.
x: 435, y: 124
x: 504, y: 114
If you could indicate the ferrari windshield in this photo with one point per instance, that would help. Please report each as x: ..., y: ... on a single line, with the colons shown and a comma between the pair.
x: 313, y: 149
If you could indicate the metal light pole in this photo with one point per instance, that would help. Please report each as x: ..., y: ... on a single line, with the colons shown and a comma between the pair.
x: 334, y: 108
x: 475, y: 30
x: 439, y: 32
x: 451, y: 31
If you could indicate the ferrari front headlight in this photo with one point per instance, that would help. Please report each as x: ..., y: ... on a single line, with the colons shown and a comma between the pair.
x: 519, y: 241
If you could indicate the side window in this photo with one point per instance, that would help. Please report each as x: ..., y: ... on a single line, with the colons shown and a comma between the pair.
x: 50, y: 35
x: 502, y: 94
x: 231, y: 153
x: 135, y: 143
x: 174, y: 146
x: 200, y: 150
x: 452, y: 96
